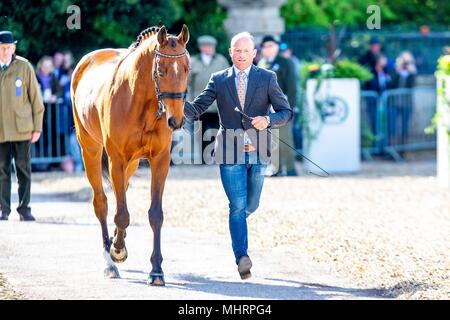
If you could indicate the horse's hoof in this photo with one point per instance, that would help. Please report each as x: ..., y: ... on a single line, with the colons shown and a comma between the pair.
x: 111, y: 272
x: 118, y: 255
x: 156, y: 280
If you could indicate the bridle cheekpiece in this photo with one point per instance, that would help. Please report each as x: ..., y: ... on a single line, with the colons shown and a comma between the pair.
x: 169, y: 95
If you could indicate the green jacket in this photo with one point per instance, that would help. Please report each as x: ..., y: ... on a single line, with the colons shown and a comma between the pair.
x: 21, y: 107
x: 200, y: 74
x: 285, y: 70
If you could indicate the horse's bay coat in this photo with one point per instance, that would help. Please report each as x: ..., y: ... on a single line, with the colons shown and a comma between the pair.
x: 116, y: 110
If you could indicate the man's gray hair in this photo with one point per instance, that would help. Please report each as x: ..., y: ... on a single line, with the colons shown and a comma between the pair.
x: 242, y: 35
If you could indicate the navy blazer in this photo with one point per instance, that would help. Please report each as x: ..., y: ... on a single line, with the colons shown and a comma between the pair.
x: 263, y: 92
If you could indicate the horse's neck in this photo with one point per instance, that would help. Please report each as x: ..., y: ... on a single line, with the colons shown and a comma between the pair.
x: 142, y: 85
x: 142, y: 72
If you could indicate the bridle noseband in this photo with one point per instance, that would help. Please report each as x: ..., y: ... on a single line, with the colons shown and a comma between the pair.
x: 170, y: 95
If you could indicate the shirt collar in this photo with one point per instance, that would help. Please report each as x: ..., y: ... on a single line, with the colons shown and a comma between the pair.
x: 6, y: 64
x: 206, y: 59
x: 247, y: 71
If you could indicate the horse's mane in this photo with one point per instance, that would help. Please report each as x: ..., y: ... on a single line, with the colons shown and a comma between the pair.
x: 145, y: 34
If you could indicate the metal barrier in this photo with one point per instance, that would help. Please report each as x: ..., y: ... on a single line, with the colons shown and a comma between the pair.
x: 406, y: 113
x: 391, y: 123
x: 370, y: 140
x: 394, y: 121
x: 53, y: 145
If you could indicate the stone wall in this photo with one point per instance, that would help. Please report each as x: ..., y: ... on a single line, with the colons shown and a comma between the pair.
x: 259, y: 17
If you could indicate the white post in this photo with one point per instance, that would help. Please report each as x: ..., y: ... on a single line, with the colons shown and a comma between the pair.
x: 337, y: 147
x: 443, y: 139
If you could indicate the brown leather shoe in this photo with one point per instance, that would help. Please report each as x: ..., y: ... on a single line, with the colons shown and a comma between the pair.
x: 244, y: 267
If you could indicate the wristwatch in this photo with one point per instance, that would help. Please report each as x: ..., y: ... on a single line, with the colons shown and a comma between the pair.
x: 268, y: 120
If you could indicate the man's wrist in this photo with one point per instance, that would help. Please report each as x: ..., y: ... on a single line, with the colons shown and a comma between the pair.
x: 268, y: 120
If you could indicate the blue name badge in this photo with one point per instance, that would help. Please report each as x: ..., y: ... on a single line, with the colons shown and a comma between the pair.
x: 18, y: 84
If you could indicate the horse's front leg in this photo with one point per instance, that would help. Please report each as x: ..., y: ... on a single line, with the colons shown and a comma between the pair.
x: 160, y: 168
x: 118, y: 249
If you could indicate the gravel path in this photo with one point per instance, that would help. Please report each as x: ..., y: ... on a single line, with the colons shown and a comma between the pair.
x: 385, y: 229
x: 63, y: 261
x: 7, y: 292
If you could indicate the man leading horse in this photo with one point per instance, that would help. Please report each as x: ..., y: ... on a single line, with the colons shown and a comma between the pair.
x: 244, y: 94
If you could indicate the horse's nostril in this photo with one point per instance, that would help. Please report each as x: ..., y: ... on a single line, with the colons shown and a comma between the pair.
x: 172, y: 122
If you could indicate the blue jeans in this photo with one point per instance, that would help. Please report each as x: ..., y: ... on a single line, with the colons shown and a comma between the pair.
x: 243, y: 185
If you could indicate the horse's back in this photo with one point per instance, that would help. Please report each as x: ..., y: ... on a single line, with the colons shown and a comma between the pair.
x: 91, y: 75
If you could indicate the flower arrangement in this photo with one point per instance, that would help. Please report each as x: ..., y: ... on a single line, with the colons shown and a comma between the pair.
x: 442, y: 115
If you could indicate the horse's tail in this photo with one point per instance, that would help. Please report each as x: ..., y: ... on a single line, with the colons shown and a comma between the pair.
x: 105, y: 167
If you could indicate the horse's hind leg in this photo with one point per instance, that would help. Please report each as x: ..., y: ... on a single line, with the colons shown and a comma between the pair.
x: 160, y: 168
x: 92, y: 155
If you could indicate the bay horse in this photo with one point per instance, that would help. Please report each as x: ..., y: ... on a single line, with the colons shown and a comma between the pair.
x: 126, y: 102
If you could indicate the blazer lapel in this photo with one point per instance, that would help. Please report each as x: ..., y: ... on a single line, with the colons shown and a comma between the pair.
x: 232, y: 88
x: 251, y: 86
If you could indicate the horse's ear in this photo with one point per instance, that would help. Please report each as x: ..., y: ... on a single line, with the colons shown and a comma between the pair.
x: 183, y: 37
x: 162, y: 36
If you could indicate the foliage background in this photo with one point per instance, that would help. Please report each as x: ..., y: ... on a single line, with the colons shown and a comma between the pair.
x: 40, y: 25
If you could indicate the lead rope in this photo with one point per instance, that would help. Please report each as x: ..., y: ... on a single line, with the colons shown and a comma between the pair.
x: 299, y: 153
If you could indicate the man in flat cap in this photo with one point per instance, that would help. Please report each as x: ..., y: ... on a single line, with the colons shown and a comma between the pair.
x: 202, y: 66
x: 285, y: 70
x: 21, y: 115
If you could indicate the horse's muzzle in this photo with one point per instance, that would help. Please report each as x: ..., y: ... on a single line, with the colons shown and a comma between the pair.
x: 172, y: 123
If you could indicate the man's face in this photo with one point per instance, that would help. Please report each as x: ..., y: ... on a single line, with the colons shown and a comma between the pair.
x: 58, y: 59
x: 47, y: 67
x: 6, y: 51
x: 242, y: 53
x: 287, y: 53
x: 207, y: 49
x: 269, y: 49
x: 375, y: 48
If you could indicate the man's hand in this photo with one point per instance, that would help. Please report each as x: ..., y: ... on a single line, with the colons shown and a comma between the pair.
x: 35, y: 136
x: 260, y: 123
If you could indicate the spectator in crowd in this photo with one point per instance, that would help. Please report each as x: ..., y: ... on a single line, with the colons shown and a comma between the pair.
x: 74, y: 161
x: 202, y: 66
x: 369, y: 59
x: 48, y: 81
x: 258, y: 55
x: 21, y: 111
x: 399, y: 112
x: 380, y: 82
x: 405, y: 71
x: 285, y: 70
x: 51, y: 93
x: 58, y: 61
x: 286, y: 52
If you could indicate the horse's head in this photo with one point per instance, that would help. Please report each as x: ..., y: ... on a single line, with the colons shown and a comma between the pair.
x: 171, y: 70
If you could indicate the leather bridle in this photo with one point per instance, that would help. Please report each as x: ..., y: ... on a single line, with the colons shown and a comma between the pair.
x: 169, y: 95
